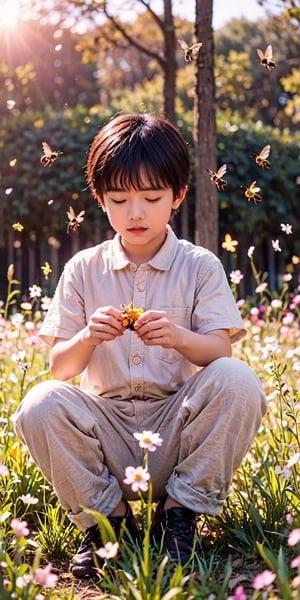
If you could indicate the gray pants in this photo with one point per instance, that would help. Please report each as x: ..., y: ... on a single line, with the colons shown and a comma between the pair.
x: 83, y: 443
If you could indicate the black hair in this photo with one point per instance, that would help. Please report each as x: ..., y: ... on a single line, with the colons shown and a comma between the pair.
x: 133, y: 147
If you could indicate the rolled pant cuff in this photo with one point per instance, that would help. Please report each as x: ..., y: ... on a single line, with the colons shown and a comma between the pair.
x: 83, y: 520
x: 193, y: 499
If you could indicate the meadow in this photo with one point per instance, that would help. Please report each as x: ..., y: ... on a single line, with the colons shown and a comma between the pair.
x: 251, y: 550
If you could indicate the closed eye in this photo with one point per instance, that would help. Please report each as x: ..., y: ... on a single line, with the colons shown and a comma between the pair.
x: 153, y: 199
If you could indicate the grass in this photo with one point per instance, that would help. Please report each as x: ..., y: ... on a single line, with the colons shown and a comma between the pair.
x: 250, y: 550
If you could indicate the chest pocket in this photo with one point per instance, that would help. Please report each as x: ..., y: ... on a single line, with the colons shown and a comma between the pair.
x: 179, y: 316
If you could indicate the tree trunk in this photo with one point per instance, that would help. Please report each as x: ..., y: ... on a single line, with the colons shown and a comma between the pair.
x: 206, y: 202
x: 169, y: 88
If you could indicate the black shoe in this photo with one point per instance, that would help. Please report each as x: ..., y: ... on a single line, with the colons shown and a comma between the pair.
x: 176, y: 527
x: 85, y: 562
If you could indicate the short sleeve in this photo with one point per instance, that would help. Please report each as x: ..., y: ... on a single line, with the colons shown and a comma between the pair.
x: 215, y: 306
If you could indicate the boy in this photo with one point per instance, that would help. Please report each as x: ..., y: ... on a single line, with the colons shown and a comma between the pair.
x: 173, y: 374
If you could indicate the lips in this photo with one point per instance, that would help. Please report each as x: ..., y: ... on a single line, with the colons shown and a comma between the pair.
x: 137, y: 229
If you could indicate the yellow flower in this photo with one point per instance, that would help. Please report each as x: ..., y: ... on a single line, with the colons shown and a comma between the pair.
x: 229, y: 244
x: 130, y: 315
x: 17, y: 226
x: 46, y: 269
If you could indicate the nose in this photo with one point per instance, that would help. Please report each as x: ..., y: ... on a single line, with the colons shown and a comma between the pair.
x: 135, y: 211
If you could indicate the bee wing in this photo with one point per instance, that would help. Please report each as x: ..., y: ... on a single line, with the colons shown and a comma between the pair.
x: 260, y: 53
x: 254, y: 188
x: 71, y: 213
x: 80, y: 216
x: 196, y: 47
x: 268, y: 52
x: 46, y: 148
x: 221, y: 171
x: 264, y: 153
x: 183, y: 44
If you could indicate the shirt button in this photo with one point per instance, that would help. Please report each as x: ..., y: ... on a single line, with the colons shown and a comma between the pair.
x: 133, y: 267
x: 140, y: 287
x: 136, y: 360
x: 137, y: 388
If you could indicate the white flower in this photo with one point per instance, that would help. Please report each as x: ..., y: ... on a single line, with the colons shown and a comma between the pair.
x: 137, y: 478
x: 35, y: 291
x: 110, y: 550
x: 251, y: 251
x: 3, y: 469
x: 148, y: 440
x: 45, y: 302
x: 286, y: 228
x: 236, y: 276
x: 276, y: 303
x: 28, y: 499
x: 276, y: 246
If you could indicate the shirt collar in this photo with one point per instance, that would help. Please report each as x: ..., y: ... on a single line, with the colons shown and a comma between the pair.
x: 161, y: 261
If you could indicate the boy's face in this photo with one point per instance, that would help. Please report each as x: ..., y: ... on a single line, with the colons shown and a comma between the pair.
x: 140, y: 217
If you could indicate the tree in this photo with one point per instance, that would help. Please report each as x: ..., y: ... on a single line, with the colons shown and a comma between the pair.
x: 206, y: 205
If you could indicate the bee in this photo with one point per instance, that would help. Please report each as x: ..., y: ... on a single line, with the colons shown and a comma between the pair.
x: 74, y: 220
x: 189, y: 51
x: 252, y: 192
x: 266, y: 58
x: 49, y: 155
x: 261, y: 158
x: 216, y: 177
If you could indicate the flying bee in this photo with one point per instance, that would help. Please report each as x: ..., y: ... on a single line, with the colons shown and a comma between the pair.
x: 265, y: 58
x: 261, y: 158
x: 49, y: 155
x: 252, y: 192
x: 74, y: 220
x: 189, y: 51
x: 216, y: 177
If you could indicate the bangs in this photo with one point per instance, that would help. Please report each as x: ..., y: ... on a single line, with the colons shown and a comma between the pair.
x: 135, y: 170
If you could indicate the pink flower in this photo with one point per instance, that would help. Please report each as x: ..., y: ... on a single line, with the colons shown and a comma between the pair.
x: 110, y: 550
x: 19, y: 527
x: 3, y: 469
x: 263, y: 580
x: 28, y: 499
x: 239, y: 594
x: 148, y: 440
x: 137, y: 478
x: 45, y: 577
x: 261, y: 288
x: 236, y: 276
x: 295, y: 563
x: 294, y: 537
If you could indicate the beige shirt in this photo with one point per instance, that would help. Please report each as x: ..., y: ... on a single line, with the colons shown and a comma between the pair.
x: 186, y: 281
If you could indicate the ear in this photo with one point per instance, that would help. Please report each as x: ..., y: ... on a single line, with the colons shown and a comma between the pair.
x: 100, y: 202
x: 180, y: 198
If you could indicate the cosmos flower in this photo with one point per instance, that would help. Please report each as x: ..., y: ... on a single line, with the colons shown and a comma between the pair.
x: 110, y: 550
x: 148, y: 440
x: 263, y: 580
x: 137, y: 478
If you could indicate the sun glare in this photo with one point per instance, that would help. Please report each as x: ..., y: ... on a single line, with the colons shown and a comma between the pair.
x: 9, y: 12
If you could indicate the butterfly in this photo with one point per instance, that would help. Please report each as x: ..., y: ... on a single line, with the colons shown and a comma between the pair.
x: 266, y: 58
x: 216, y: 177
x: 49, y: 155
x: 252, y: 192
x: 74, y: 220
x: 261, y: 158
x: 189, y: 51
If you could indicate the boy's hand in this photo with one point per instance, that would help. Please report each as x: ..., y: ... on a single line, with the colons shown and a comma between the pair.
x: 155, y: 329
x: 104, y: 325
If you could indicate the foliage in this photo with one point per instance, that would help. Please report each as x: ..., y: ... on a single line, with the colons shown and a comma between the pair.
x: 250, y: 550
